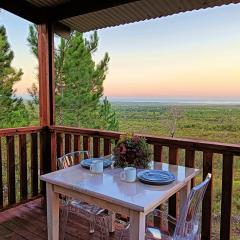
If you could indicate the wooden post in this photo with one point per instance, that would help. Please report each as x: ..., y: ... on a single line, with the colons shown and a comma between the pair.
x: 46, y: 74
x: 46, y: 97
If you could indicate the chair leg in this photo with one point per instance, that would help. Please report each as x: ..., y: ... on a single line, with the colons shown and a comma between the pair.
x: 92, y: 223
x: 104, y: 226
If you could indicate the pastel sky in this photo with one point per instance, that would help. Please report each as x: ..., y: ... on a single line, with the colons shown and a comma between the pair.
x: 194, y: 54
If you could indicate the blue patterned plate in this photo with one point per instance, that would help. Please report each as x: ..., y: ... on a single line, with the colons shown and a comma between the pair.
x: 156, y: 177
x: 87, y: 162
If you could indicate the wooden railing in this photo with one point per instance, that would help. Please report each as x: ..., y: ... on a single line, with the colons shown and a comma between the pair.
x: 19, y: 165
x: 25, y: 154
x: 188, y: 152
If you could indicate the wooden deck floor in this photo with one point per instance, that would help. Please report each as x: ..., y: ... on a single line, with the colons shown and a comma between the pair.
x: 28, y: 221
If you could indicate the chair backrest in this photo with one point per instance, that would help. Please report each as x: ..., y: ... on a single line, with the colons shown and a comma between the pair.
x: 189, y: 223
x: 71, y: 159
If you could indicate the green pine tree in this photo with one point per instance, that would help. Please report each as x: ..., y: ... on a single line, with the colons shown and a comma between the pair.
x: 79, y: 82
x: 83, y: 82
x: 13, y: 111
x: 108, y: 116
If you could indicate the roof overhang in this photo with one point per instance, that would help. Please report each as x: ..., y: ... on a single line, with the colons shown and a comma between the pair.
x: 87, y: 15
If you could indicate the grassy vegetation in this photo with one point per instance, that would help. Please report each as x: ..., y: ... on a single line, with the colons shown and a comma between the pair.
x: 213, y: 123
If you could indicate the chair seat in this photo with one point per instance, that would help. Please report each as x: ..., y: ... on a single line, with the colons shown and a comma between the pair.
x: 78, y: 206
x: 156, y: 234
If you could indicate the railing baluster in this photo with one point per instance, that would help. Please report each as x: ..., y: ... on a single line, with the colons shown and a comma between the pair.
x: 191, y: 146
x: 86, y: 143
x: 53, y: 151
x: 173, y: 203
x: 68, y: 138
x: 23, y: 167
x: 190, y: 161
x: 77, y: 147
x: 107, y: 146
x: 34, y: 164
x: 157, y: 157
x: 226, y: 203
x: 96, y: 147
x: 77, y: 143
x: 1, y: 180
x: 11, y: 170
x: 60, y: 151
x: 157, y: 151
x: 207, y: 201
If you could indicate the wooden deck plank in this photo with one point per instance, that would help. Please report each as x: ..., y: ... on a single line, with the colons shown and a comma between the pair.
x: 28, y: 221
x: 20, y: 230
x: 6, y: 234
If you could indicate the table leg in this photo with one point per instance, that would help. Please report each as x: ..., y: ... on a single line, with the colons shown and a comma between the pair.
x: 183, y: 194
x: 52, y: 213
x: 112, y: 217
x: 137, y: 225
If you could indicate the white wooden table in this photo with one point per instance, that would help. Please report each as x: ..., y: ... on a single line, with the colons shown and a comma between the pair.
x: 107, y: 191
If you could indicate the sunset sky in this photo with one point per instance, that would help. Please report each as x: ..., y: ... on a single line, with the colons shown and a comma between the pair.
x: 195, y: 54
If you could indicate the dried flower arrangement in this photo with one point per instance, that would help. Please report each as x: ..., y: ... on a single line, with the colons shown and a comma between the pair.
x: 132, y: 150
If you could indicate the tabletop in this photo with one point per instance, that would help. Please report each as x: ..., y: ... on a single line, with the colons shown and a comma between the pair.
x: 108, y: 186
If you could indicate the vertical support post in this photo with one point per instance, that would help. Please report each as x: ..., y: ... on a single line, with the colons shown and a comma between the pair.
x: 46, y: 74
x: 46, y: 96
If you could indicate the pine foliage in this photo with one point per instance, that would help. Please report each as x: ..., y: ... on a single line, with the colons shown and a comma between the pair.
x: 79, y: 82
x: 13, y: 111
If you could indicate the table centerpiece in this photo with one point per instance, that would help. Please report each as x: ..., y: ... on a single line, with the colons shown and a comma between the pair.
x: 131, y: 151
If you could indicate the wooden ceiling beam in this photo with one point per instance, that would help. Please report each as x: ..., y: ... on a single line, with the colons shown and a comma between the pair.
x: 25, y: 10
x: 33, y: 14
x: 61, y: 30
x: 75, y: 7
x: 72, y: 8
